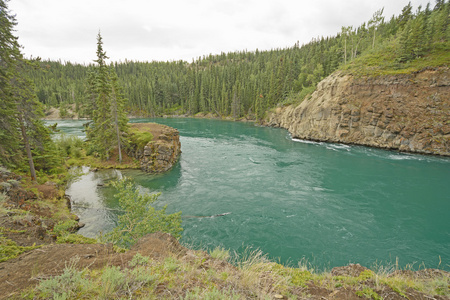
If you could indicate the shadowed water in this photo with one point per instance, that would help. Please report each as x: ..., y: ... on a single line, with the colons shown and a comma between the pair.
x: 328, y: 203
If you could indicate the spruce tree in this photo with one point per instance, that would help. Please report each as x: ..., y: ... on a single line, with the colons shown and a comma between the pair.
x: 120, y: 118
x: 9, y: 54
x: 107, y: 107
x: 21, y: 127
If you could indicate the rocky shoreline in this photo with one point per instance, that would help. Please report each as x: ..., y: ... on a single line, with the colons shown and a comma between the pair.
x: 408, y: 113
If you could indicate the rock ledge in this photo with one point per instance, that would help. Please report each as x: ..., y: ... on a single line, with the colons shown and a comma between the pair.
x: 408, y: 112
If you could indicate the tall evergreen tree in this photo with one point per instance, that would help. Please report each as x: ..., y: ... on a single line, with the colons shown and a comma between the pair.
x: 120, y: 118
x: 108, y: 107
x: 9, y: 54
x: 21, y: 128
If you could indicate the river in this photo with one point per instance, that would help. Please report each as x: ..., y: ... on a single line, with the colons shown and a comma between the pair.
x: 326, y: 204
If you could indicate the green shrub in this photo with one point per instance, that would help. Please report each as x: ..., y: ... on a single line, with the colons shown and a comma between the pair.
x: 139, y: 217
x: 5, y: 186
x: 65, y: 227
x: 9, y: 249
x: 14, y: 183
x: 368, y: 293
x: 170, y: 264
x: 140, y: 138
x: 212, y: 294
x: 69, y: 285
x: 141, y: 276
x: 67, y: 144
x: 138, y: 260
x: 73, y: 238
x: 113, y: 280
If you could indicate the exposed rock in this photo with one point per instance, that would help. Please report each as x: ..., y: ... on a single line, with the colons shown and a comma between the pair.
x: 403, y: 112
x: 160, y: 154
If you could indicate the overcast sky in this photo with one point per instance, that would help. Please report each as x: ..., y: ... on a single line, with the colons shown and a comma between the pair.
x: 170, y: 30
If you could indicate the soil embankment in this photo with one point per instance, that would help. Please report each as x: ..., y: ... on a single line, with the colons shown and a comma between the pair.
x: 408, y: 112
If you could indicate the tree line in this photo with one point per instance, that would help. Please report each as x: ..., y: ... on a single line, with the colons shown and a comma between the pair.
x: 246, y: 83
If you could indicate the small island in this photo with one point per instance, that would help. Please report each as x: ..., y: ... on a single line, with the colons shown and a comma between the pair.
x: 157, y: 147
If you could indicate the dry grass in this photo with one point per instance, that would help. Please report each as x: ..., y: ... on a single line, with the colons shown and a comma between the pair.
x: 197, y: 275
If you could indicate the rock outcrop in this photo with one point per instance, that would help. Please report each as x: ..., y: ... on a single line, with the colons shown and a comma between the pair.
x: 160, y: 154
x: 409, y: 112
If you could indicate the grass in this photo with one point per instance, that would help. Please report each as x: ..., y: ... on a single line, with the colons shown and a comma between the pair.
x: 248, y: 276
x: 220, y: 253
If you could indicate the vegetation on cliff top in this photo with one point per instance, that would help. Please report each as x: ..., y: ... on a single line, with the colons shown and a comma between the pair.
x: 140, y: 137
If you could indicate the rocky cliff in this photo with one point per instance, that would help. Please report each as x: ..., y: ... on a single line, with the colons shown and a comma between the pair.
x: 160, y: 154
x: 409, y: 112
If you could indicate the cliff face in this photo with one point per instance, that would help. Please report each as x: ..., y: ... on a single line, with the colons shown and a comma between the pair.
x: 162, y: 152
x: 409, y: 113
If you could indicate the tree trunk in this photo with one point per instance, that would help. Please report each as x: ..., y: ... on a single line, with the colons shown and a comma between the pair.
x: 116, y: 123
x: 28, y: 150
x: 345, y: 51
x: 118, y: 138
x: 373, y: 42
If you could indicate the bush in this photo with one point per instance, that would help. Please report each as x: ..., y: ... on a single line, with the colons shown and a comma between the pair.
x: 139, y: 217
x: 138, y: 259
x: 140, y: 138
x: 113, y: 280
x: 69, y: 285
x: 69, y: 145
x: 9, y: 249
x: 65, y: 227
x: 73, y: 238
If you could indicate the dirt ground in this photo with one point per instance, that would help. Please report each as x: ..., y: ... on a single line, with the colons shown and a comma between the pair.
x: 50, y: 260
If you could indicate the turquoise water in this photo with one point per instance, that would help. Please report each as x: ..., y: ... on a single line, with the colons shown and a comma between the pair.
x: 330, y: 204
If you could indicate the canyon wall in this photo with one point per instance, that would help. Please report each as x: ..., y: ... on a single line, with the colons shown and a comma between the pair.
x: 408, y: 112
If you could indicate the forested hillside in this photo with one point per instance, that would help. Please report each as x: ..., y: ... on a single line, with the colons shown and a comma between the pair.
x: 247, y: 83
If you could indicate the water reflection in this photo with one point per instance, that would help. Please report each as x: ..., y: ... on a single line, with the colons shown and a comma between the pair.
x: 92, y: 202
